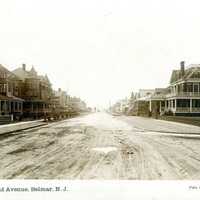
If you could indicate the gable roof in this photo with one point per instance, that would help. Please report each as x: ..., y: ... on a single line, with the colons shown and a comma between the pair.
x: 10, y: 74
x: 189, y: 71
x: 22, y: 74
x: 2, y: 68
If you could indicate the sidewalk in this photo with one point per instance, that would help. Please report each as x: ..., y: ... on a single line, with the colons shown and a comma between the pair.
x: 182, y: 119
x: 158, y: 125
x: 10, y: 128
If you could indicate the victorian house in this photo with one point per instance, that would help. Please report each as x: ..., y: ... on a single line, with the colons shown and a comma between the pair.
x: 184, y: 91
x: 36, y: 91
x: 181, y: 97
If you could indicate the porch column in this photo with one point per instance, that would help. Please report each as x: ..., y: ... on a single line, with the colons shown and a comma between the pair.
x: 22, y: 107
x: 160, y: 107
x: 150, y: 107
x: 3, y: 106
x: 190, y: 105
x: 175, y: 104
x: 13, y: 106
x: 37, y: 109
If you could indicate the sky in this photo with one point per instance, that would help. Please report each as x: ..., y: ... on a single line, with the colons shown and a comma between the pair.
x: 100, y: 50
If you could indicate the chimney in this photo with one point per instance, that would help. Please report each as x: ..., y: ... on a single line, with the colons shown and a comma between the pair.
x: 24, y: 67
x: 182, y: 68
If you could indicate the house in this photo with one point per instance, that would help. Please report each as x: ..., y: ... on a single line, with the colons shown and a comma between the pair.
x: 157, y: 101
x: 184, y: 91
x: 121, y: 106
x: 139, y: 108
x: 59, y: 104
x: 36, y: 91
x: 139, y: 102
x: 76, y: 105
x: 11, y: 105
x: 181, y: 97
x: 61, y: 97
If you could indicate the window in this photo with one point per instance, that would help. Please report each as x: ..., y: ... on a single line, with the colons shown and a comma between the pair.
x: 190, y: 87
x: 196, y: 87
x: 183, y: 103
x: 196, y: 103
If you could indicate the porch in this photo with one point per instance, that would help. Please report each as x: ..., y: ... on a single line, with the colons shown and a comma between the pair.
x: 36, y: 109
x: 11, y: 108
x: 184, y: 106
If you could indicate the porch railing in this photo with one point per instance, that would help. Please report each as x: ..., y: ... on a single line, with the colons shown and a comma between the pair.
x: 187, y: 109
x: 36, y: 110
x: 183, y: 94
x: 182, y: 109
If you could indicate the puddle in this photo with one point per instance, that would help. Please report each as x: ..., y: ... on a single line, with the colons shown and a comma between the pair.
x: 105, y: 149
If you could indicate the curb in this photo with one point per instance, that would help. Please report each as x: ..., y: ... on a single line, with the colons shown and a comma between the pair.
x: 22, y: 129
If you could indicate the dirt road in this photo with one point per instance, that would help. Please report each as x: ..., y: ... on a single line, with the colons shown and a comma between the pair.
x: 100, y: 146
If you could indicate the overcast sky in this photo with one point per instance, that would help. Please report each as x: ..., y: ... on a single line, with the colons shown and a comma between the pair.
x: 100, y: 50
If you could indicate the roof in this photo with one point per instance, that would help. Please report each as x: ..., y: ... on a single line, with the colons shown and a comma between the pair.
x: 10, y: 98
x: 4, y: 69
x: 145, y: 98
x: 188, y: 73
x: 22, y: 74
x: 10, y: 75
x: 37, y: 100
x: 146, y: 90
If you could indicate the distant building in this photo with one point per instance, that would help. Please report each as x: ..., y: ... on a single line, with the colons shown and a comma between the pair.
x: 116, y: 108
x: 59, y: 103
x: 61, y: 97
x: 76, y: 105
x: 120, y: 106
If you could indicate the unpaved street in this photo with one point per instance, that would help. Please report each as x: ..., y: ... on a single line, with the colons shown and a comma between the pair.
x: 101, y: 146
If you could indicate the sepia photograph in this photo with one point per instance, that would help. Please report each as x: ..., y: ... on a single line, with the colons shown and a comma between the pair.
x: 94, y: 91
